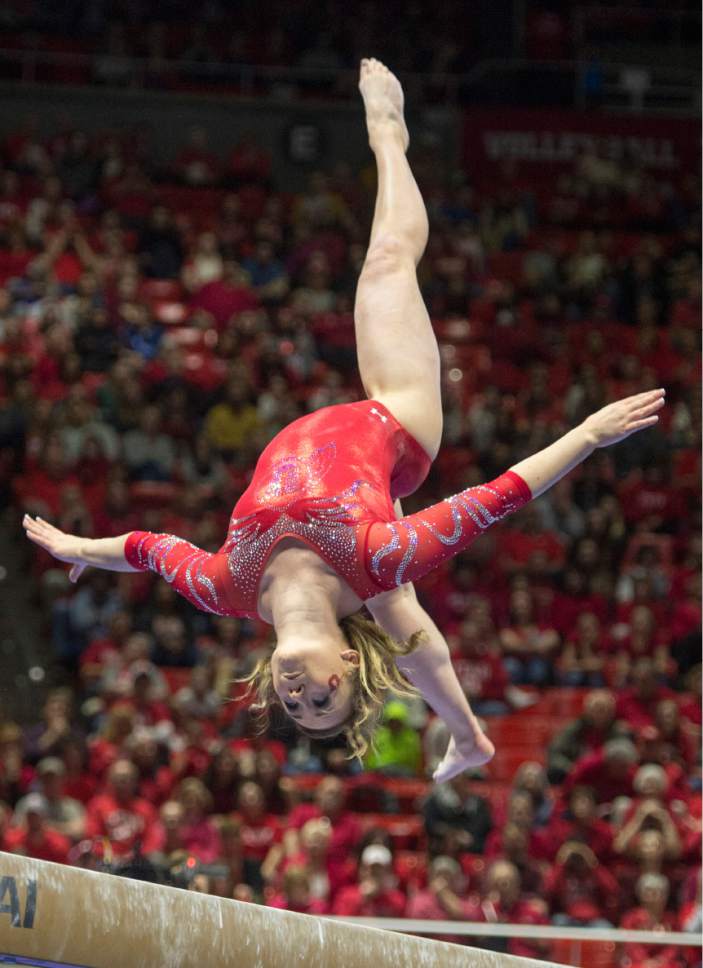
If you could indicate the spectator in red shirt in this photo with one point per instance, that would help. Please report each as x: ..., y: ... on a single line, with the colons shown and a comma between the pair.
x: 675, y: 745
x: 227, y: 296
x: 375, y: 895
x: 579, y: 823
x: 516, y: 843
x: 480, y: 670
x: 119, y: 814
x: 637, y: 704
x: 34, y: 837
x: 260, y: 829
x: 581, y: 891
x: 650, y: 915
x: 168, y: 842
x: 156, y: 779
x: 295, y: 894
x: 504, y: 902
x: 330, y: 802
x: 609, y: 772
x: 200, y: 834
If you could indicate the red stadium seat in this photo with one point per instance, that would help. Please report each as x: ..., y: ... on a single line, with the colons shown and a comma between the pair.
x: 411, y: 867
x: 175, y: 677
x: 407, y: 830
x: 598, y: 954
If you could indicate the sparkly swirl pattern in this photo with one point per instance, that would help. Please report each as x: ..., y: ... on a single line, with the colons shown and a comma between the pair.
x: 181, y: 564
x: 409, y: 548
x: 328, y: 523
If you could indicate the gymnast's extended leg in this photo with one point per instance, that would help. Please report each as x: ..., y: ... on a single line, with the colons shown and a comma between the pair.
x: 396, y: 347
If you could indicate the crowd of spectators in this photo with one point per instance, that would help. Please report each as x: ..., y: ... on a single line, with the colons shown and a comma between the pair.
x: 154, y: 335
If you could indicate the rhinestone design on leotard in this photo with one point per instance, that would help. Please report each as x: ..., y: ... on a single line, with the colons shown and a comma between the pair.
x: 468, y: 501
x: 155, y: 560
x: 328, y: 523
x: 294, y: 473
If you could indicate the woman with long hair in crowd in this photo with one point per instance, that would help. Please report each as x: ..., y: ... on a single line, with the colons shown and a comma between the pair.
x: 317, y: 535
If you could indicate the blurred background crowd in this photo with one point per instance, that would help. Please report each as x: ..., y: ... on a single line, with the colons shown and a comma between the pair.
x: 159, y: 324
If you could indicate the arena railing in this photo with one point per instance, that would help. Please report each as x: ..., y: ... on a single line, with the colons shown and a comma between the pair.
x: 669, y: 88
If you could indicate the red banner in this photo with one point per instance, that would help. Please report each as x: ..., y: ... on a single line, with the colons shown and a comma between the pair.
x: 543, y: 141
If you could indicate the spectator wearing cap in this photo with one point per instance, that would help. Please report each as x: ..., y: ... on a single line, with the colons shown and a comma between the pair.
x: 396, y: 749
x: 650, y: 915
x: 609, y: 772
x: 63, y: 813
x: 34, y: 837
x: 120, y: 815
x: 503, y: 901
x: 580, y: 890
x: 594, y: 727
x: 455, y: 814
x: 200, y: 833
x: 375, y: 895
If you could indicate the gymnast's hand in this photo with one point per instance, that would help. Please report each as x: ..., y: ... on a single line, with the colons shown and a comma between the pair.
x: 64, y: 547
x: 624, y: 417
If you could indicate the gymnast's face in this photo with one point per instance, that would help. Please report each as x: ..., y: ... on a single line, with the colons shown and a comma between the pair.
x: 313, y: 680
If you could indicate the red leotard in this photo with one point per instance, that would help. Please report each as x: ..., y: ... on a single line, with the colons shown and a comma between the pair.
x: 329, y: 480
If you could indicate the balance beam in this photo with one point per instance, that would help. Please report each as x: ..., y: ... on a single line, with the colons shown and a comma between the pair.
x: 52, y: 915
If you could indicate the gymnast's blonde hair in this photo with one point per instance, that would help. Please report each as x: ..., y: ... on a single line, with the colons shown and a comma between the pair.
x: 376, y: 675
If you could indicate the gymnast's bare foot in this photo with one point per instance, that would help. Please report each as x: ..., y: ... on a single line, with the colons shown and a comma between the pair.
x: 383, y: 101
x: 466, y: 755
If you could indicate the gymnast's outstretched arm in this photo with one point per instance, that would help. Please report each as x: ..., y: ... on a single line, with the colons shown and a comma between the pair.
x: 405, y: 550
x: 197, y: 575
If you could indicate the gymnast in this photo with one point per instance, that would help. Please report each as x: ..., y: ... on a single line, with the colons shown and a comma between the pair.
x: 317, y: 535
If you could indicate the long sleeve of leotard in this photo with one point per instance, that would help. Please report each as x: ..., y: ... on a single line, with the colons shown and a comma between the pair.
x: 406, y: 549
x: 195, y: 574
